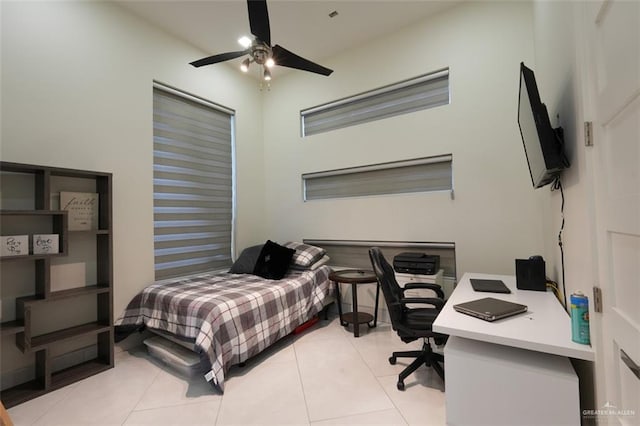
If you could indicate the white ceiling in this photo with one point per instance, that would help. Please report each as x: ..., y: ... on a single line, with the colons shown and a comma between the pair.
x: 301, y: 26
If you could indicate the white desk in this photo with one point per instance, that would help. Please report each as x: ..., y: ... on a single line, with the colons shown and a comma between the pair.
x: 512, y: 371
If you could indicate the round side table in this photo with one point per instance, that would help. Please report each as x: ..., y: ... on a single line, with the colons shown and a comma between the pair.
x: 355, y: 277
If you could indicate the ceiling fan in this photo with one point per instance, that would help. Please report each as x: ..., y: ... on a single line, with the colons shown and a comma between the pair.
x: 260, y: 50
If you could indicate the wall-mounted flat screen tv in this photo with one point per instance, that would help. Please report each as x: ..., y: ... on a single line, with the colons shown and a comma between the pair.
x: 543, y: 145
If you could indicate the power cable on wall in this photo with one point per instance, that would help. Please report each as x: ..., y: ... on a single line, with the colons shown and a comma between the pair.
x: 557, y: 185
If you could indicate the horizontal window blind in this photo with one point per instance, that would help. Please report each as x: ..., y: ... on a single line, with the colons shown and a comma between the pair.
x: 420, y: 93
x: 192, y: 184
x: 419, y: 175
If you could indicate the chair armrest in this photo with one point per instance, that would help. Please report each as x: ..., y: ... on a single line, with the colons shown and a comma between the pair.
x: 435, y: 287
x: 438, y: 303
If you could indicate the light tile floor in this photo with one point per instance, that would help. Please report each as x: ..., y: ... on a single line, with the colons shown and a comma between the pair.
x: 323, y: 376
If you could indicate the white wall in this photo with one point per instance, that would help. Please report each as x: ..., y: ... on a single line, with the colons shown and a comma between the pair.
x: 77, y: 92
x: 559, y: 85
x: 560, y: 81
x: 496, y: 215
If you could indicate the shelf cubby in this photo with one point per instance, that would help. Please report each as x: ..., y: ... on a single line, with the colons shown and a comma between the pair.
x: 35, y: 222
x: 10, y: 328
x: 43, y: 341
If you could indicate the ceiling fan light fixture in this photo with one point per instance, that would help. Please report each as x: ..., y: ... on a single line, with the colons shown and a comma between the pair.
x: 259, y: 47
x: 244, y: 41
x: 244, y: 66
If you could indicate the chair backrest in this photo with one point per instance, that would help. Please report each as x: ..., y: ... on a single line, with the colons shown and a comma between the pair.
x: 390, y: 288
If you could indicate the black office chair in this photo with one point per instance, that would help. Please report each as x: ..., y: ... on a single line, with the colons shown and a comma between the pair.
x: 410, y: 323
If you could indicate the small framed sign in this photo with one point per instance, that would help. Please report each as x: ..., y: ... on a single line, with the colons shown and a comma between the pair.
x: 14, y: 245
x: 82, y: 208
x: 45, y: 243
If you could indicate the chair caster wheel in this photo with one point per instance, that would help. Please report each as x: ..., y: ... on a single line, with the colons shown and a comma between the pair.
x: 400, y: 386
x: 392, y: 360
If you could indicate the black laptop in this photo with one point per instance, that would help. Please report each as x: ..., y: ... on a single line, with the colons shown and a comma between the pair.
x: 490, y: 309
x: 489, y: 286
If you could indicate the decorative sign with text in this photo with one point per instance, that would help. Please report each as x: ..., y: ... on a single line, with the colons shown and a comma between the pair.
x: 45, y: 243
x: 82, y: 208
x: 14, y: 245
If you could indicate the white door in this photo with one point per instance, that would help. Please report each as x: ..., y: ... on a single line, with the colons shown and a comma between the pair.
x: 612, y: 84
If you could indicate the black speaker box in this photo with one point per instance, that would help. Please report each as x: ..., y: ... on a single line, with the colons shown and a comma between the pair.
x: 531, y: 274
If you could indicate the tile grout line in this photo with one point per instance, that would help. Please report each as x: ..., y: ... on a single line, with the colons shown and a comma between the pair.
x: 141, y: 396
x: 304, y: 394
x: 364, y: 361
x: 391, y: 399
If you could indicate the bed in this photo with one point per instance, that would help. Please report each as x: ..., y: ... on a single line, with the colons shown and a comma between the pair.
x: 230, y: 317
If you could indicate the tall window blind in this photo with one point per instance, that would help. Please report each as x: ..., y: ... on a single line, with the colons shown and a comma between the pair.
x: 418, y: 175
x: 427, y: 91
x: 193, y: 197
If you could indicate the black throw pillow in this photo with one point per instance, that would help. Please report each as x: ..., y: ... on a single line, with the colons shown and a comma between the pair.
x: 246, y: 262
x: 273, y: 262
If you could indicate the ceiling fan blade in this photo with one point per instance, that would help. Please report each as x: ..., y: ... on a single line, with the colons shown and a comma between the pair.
x: 285, y: 58
x: 219, y: 58
x: 259, y: 20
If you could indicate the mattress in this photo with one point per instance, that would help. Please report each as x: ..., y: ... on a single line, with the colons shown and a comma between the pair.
x: 175, y: 356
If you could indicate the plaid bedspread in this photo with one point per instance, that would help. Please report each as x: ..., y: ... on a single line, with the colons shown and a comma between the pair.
x: 232, y: 317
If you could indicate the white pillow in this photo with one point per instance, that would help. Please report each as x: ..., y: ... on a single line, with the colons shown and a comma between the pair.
x: 322, y: 261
